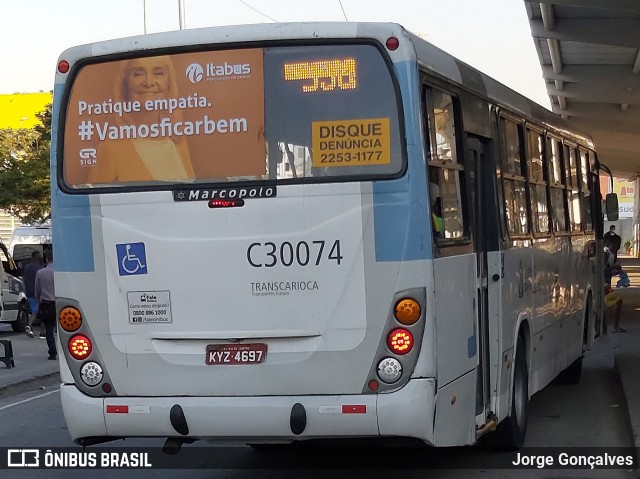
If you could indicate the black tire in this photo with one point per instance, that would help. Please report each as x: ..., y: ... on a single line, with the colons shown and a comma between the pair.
x: 512, y: 431
x: 20, y: 323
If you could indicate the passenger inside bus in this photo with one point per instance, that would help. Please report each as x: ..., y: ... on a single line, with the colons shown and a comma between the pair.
x: 436, y: 203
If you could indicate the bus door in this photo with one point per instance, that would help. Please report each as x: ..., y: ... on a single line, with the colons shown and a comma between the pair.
x: 479, y: 172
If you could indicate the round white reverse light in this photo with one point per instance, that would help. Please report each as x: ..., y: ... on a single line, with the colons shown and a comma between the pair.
x: 389, y: 370
x: 91, y: 373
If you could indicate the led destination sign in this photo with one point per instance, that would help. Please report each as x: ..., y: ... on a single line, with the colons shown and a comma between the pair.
x: 326, y: 75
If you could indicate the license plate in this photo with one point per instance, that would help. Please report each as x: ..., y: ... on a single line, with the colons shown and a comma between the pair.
x: 223, y: 354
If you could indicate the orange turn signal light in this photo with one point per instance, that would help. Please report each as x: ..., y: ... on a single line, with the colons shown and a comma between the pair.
x: 70, y: 319
x: 407, y: 311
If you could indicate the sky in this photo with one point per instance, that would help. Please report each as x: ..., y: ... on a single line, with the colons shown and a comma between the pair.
x: 491, y: 35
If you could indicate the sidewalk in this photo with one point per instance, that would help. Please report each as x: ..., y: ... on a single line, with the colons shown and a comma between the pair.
x: 30, y: 358
x: 626, y: 346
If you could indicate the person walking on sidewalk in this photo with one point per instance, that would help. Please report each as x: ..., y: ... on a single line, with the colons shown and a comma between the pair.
x: 46, y: 296
x: 29, y: 277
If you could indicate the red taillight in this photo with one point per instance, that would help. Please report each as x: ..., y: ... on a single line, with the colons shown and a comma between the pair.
x: 400, y: 341
x: 225, y: 203
x: 63, y: 66
x: 79, y: 346
x: 392, y: 44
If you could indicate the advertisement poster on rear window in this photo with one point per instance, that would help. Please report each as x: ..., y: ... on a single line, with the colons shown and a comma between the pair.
x: 173, y: 118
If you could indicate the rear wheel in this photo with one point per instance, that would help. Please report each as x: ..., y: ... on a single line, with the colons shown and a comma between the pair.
x: 511, y: 432
x: 21, y: 321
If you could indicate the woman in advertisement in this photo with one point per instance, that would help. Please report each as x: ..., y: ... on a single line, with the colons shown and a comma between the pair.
x: 152, y: 153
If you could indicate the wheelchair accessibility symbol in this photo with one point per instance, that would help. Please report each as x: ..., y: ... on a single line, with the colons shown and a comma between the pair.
x: 132, y: 259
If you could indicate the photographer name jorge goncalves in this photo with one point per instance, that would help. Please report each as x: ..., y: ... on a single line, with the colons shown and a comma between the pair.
x: 564, y: 459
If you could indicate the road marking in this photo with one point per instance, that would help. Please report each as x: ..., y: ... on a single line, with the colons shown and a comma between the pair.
x: 29, y: 399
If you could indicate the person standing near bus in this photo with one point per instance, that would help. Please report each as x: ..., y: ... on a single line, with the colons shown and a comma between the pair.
x: 150, y: 82
x: 29, y: 277
x: 613, y: 241
x: 613, y: 303
x: 46, y: 297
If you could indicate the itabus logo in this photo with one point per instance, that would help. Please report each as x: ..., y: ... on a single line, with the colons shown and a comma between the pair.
x: 195, y: 73
x: 228, y: 69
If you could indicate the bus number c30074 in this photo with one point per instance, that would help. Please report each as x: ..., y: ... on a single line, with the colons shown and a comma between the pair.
x: 303, y: 253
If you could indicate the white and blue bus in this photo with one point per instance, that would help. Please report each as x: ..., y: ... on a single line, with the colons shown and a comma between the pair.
x: 284, y: 232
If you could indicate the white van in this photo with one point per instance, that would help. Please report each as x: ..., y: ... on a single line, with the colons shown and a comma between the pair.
x: 13, y: 300
x: 27, y: 239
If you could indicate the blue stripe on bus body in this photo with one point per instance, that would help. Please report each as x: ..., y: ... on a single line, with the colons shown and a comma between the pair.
x: 400, y: 206
x: 472, y: 346
x: 72, y: 235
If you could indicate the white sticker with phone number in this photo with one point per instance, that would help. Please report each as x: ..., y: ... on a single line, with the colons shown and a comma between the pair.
x: 149, y: 307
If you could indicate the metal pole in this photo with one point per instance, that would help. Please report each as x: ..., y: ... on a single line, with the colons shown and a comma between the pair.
x: 144, y: 15
x: 181, y: 13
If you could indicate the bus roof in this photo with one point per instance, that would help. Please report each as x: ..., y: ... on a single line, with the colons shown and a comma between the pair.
x: 430, y: 57
x: 236, y: 34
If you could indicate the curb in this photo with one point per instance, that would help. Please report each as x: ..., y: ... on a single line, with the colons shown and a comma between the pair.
x: 23, y: 382
x: 634, y: 432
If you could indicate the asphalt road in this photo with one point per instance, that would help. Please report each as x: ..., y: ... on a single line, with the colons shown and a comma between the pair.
x: 590, y: 414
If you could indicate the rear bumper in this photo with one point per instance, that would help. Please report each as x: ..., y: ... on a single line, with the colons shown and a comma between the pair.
x: 408, y: 412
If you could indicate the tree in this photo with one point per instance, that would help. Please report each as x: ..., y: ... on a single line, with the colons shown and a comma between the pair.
x: 25, y: 189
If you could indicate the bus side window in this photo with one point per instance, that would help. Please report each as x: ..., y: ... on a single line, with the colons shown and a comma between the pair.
x: 573, y: 188
x: 585, y: 194
x: 444, y: 170
x: 537, y: 182
x: 513, y: 179
x: 558, y: 210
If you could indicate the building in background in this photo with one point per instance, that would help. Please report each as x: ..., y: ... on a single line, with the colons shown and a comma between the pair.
x: 627, y: 225
x: 7, y: 224
x: 19, y: 110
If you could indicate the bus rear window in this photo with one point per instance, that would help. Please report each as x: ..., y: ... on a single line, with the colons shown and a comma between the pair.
x: 284, y: 114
